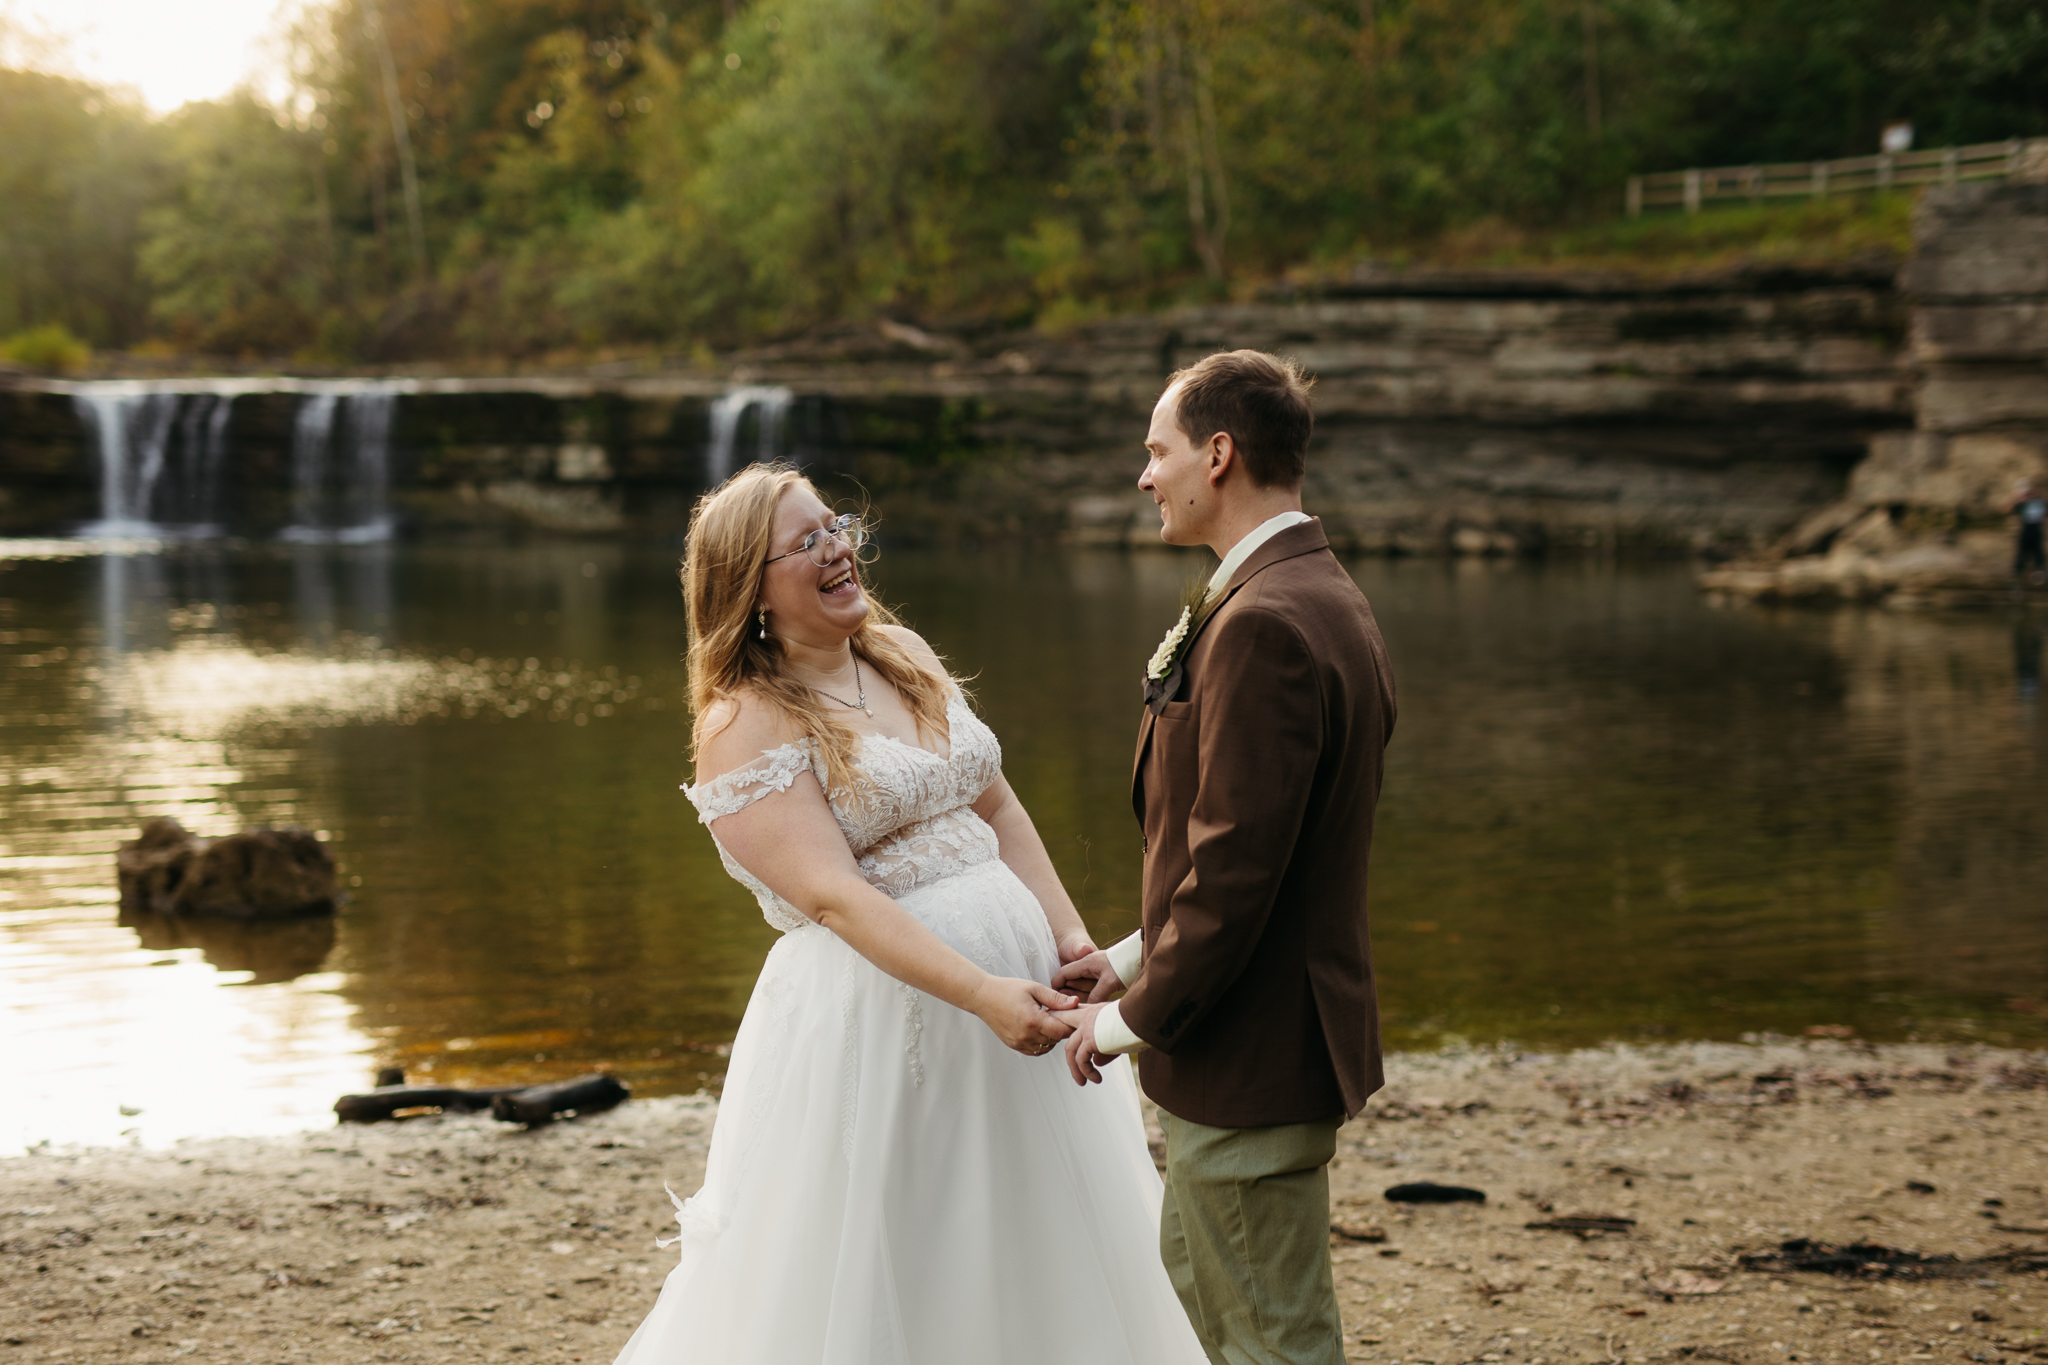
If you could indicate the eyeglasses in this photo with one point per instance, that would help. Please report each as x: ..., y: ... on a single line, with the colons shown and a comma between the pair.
x: 818, y: 544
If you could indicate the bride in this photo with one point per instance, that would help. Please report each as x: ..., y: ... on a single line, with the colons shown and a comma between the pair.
x: 888, y: 1180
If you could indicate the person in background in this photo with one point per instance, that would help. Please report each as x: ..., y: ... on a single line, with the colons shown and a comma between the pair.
x: 2029, y: 558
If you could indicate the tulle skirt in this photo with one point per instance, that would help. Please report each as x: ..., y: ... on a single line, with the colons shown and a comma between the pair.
x: 889, y: 1184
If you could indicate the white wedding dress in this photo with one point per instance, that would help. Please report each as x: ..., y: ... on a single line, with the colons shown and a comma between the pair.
x: 887, y: 1182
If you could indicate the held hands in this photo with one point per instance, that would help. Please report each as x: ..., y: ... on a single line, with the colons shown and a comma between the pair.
x: 1089, y: 973
x: 1083, y: 1061
x: 1029, y: 1017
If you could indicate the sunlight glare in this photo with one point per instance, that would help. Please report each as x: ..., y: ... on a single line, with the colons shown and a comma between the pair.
x: 169, y: 54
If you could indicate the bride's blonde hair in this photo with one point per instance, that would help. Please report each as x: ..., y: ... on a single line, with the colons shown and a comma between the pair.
x: 731, y: 537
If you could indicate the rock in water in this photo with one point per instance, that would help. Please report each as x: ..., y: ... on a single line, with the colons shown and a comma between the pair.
x: 258, y: 874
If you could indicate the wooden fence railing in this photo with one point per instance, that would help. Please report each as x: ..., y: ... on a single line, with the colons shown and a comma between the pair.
x: 1819, y: 179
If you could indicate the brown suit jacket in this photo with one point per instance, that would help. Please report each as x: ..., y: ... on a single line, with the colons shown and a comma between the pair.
x: 1257, y: 772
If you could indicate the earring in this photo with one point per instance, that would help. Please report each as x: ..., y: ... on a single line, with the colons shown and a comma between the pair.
x: 764, y: 623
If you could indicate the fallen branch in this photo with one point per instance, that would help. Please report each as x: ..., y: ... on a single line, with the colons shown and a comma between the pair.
x: 540, y: 1103
x: 386, y: 1101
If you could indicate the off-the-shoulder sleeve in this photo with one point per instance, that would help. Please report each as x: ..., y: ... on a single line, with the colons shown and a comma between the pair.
x: 734, y: 791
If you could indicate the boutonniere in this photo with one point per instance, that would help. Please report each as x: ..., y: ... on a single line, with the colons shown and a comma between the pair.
x: 1163, y: 670
x: 1169, y: 648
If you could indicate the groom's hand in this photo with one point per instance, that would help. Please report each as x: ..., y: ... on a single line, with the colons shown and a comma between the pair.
x: 1083, y: 1061
x: 1091, y: 975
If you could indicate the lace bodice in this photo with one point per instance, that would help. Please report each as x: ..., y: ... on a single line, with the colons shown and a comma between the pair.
x: 906, y: 814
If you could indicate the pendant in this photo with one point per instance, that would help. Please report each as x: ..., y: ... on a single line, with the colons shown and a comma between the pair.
x: 870, y: 710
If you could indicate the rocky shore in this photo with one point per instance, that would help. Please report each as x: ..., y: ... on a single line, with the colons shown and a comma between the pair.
x: 1925, y: 521
x: 453, y: 1238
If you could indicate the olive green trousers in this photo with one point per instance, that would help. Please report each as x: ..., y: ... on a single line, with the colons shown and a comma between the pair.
x: 1245, y: 1234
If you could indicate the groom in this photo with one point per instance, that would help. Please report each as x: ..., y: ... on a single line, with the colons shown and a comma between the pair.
x: 1249, y: 987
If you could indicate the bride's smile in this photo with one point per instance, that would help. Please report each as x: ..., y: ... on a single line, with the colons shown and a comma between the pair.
x: 813, y: 607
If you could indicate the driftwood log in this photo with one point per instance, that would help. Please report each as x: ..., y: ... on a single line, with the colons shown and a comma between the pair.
x: 511, y: 1103
x: 385, y: 1101
x: 261, y: 873
x: 538, y: 1104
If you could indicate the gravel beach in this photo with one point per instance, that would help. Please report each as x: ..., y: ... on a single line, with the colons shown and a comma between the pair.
x: 456, y: 1238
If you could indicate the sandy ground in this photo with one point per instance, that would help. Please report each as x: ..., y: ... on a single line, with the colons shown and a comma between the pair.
x: 446, y: 1238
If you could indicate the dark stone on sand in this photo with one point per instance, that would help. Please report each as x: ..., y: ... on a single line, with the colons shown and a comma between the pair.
x: 1429, y: 1192
x: 260, y: 873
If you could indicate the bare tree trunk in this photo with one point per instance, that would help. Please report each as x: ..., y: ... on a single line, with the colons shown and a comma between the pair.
x: 1212, y: 155
x: 1587, y: 17
x: 401, y: 138
x: 1369, y: 40
x: 1155, y: 120
x: 326, y: 206
x: 380, y: 208
x: 1187, y: 100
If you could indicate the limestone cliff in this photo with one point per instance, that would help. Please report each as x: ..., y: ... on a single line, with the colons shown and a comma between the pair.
x: 1925, y: 520
x: 1475, y: 413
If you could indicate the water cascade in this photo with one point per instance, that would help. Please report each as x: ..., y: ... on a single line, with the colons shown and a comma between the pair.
x: 163, y: 447
x: 342, y: 497
x: 145, y: 434
x: 727, y: 410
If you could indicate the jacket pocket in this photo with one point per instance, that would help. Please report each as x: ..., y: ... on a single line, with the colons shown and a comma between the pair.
x: 1177, y: 710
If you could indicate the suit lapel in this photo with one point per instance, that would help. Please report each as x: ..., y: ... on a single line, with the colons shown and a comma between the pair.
x: 1138, y: 765
x: 1303, y: 539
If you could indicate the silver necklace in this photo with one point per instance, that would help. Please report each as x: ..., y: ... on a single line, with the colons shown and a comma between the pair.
x: 858, y: 691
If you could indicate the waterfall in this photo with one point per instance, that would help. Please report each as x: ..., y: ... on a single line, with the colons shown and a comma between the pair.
x: 134, y: 428
x: 346, y: 500
x: 312, y: 428
x: 163, y: 447
x: 727, y: 410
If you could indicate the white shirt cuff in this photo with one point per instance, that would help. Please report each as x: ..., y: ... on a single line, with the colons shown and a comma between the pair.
x: 1127, y: 957
x: 1113, y: 1035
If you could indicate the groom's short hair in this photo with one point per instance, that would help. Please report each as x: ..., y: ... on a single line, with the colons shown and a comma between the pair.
x: 1260, y: 400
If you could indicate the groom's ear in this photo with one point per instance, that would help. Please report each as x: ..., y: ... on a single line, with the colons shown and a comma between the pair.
x: 1223, y: 457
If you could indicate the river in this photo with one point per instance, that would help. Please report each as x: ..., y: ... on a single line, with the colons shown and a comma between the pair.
x: 1613, y: 812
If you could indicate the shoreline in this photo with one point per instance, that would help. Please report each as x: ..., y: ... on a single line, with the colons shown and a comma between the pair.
x: 455, y: 1237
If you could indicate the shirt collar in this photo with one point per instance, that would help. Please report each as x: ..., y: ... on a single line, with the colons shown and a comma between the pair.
x: 1242, y: 551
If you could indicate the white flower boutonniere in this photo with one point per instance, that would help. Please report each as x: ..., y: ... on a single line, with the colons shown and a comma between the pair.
x: 1162, y: 657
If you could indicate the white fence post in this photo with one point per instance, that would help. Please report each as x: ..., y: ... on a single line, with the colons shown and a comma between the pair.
x: 1692, y: 191
x: 1635, y: 196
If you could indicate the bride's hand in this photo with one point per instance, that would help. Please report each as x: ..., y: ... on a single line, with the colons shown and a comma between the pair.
x: 1089, y: 978
x: 1075, y: 946
x: 1024, y: 1014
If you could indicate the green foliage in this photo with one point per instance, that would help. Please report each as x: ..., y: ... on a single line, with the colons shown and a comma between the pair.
x: 679, y: 174
x: 239, y: 254
x: 77, y: 168
x: 1799, y: 232
x: 49, y: 347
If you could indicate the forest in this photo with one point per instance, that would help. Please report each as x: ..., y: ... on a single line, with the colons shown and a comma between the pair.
x: 518, y: 178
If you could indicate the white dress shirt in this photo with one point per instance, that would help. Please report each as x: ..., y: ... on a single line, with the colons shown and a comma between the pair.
x: 1127, y: 956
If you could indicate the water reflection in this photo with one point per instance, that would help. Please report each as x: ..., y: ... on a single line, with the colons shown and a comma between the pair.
x: 1611, y: 811
x: 268, y: 952
x: 2026, y: 657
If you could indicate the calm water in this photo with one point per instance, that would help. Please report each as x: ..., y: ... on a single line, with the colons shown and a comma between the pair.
x: 1612, y: 811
